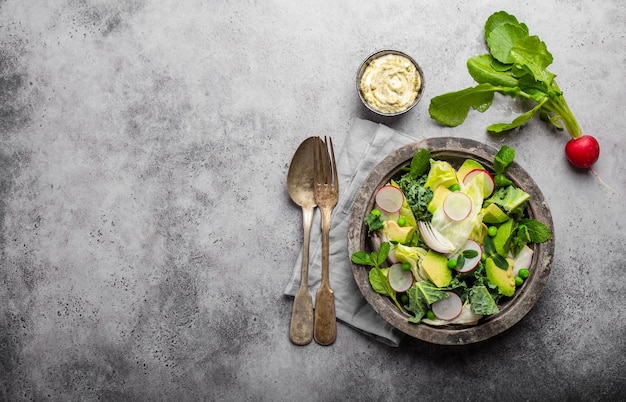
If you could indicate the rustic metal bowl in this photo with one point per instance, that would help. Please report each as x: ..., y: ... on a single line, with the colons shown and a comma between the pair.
x: 376, y: 55
x: 455, y: 151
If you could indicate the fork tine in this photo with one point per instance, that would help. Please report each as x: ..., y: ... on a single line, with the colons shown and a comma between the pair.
x: 335, y: 179
x: 316, y: 163
x: 321, y: 167
x: 326, y: 165
x: 320, y: 163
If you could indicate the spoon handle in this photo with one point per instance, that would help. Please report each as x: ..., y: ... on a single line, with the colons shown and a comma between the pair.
x: 301, y: 327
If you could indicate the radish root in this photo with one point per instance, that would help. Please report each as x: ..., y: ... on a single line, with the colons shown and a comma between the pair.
x: 602, y: 181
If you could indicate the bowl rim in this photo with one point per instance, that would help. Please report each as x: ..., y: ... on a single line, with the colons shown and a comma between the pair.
x: 376, y: 55
x: 515, y: 308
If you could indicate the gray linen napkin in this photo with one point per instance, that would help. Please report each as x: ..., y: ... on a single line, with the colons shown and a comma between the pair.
x: 366, y: 144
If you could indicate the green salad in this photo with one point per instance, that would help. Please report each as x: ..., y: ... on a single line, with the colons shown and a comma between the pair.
x: 449, y: 246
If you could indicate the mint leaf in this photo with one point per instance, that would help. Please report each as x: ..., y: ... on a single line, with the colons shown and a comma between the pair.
x: 488, y: 245
x: 470, y: 253
x: 523, y: 233
x: 452, y: 108
x: 500, y: 261
x: 373, y: 259
x: 420, y: 164
x: 501, y: 163
x: 503, y: 159
x: 460, y: 261
x: 380, y: 284
x: 383, y: 253
x: 379, y: 281
x: 537, y: 232
x: 362, y: 258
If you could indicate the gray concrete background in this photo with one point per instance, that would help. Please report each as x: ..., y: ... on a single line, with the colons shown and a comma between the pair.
x: 146, y: 233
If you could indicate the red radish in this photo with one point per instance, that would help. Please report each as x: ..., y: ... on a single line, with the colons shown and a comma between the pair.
x: 583, y: 151
x: 471, y: 263
x: 457, y: 206
x: 489, y: 184
x: 389, y: 198
x: 448, y: 308
x: 399, y: 279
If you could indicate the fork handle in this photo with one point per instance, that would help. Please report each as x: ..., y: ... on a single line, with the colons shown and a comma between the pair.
x: 325, y: 331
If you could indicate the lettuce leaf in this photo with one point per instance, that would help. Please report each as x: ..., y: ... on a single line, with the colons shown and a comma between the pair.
x: 410, y: 255
x: 441, y: 174
x: 457, y: 232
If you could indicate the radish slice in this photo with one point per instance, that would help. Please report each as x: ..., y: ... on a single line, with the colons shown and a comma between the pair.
x: 399, y: 279
x: 457, y: 206
x: 389, y: 198
x: 448, y: 308
x: 489, y: 184
x: 471, y: 263
x: 388, y: 216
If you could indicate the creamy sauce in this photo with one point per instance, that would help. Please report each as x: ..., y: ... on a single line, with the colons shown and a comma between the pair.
x: 390, y: 83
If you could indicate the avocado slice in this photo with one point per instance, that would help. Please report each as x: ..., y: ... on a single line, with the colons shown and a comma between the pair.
x: 435, y: 266
x: 504, y: 279
x: 400, y: 234
x: 493, y: 214
x: 467, y: 166
x: 502, y: 238
x: 439, y: 195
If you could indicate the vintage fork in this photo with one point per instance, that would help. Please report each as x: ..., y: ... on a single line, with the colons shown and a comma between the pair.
x: 326, y: 189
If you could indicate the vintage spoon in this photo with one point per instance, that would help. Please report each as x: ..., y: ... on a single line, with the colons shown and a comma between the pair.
x: 300, y: 186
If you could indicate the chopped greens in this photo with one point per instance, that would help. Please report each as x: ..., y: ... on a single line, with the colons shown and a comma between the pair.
x: 417, y: 195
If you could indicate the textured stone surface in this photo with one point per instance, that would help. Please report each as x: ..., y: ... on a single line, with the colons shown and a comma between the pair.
x: 146, y: 233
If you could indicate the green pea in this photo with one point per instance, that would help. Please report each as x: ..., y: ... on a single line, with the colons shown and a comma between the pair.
x: 406, y: 266
x: 483, y: 258
x: 452, y: 263
x: 454, y: 187
x: 492, y: 231
x: 404, y: 298
x: 518, y: 281
x: 402, y: 221
x: 376, y: 212
x: 523, y: 273
x: 430, y: 315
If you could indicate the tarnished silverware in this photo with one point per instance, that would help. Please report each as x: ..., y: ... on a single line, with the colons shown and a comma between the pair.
x: 300, y: 180
x: 326, y: 190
